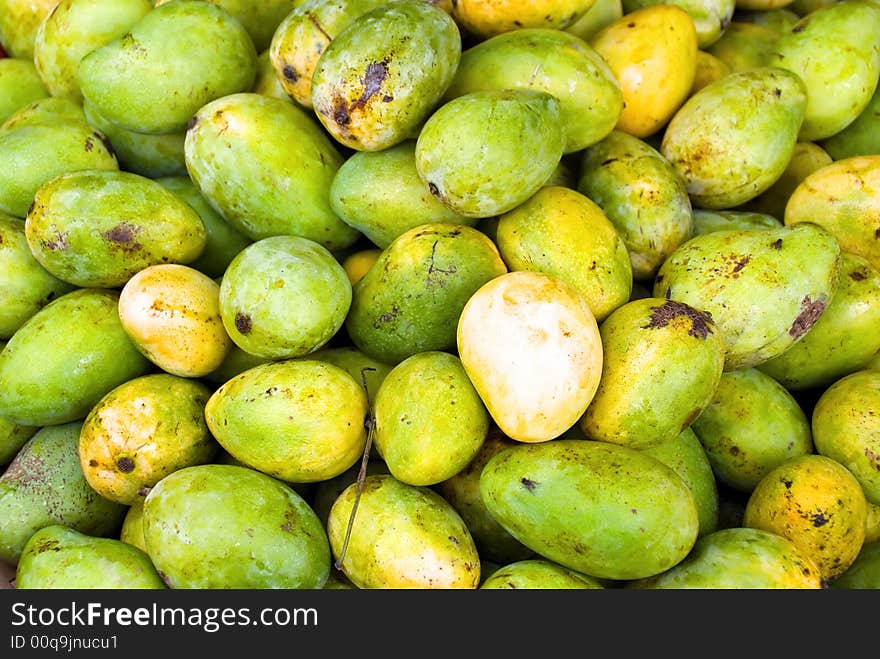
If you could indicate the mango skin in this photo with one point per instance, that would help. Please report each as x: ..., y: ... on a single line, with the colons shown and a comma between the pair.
x: 641, y: 194
x: 20, y: 84
x: 744, y: 45
x: 12, y: 437
x: 485, y: 19
x: 752, y: 425
x: 368, y: 372
x: 785, y: 277
x: 711, y: 17
x: 168, y: 62
x: 706, y: 221
x: 271, y: 538
x: 57, y: 557
x: 411, y: 299
x: 859, y: 137
x: 19, y: 22
x: 846, y: 427
x: 299, y: 420
x: 41, y: 385
x: 403, y: 536
x: 540, y: 574
x: 600, y: 14
x: 44, y: 485
x: 864, y: 571
x: 266, y: 166
x: 550, y: 60
x: 45, y: 110
x: 738, y: 558
x: 132, y: 530
x: 326, y: 491
x: 592, y: 506
x: 749, y: 148
x: 709, y: 69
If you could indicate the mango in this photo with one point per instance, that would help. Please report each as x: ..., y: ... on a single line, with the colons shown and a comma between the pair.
x: 709, y: 69
x: 744, y: 45
x: 600, y: 14
x: 19, y: 22
x: 710, y: 17
x: 860, y: 136
x: 538, y: 573
x: 863, y: 573
x: 485, y: 19
x: 12, y: 437
x: 132, y: 529
x: 271, y: 537
x: 327, y: 491
x: 21, y: 85
x: 236, y: 361
x: 779, y: 17
x: 45, y: 110
x: 266, y: 81
x: 706, y: 221
x: 358, y: 263
x: 368, y: 372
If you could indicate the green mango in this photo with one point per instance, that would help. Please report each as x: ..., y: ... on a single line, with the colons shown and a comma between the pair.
x: 20, y: 85
x: 845, y: 337
x: 411, y: 298
x: 403, y: 536
x: 132, y: 530
x: 751, y: 425
x: 764, y: 288
x: 486, y: 152
x: 864, y: 573
x: 46, y: 110
x: 641, y: 194
x: 662, y: 362
x: 592, y: 506
x: 706, y: 221
x: 44, y: 485
x: 98, y: 228
x: 42, y: 383
x: 780, y: 18
x: 367, y: 371
x: 711, y: 17
x: 380, y: 194
x: 244, y: 530
x: 600, y: 14
x: 35, y: 154
x: 733, y: 138
x: 19, y: 22
x: 743, y: 45
x: 835, y: 51
x: 236, y: 361
x: 299, y: 420
x: 266, y: 166
x: 74, y: 29
x: 861, y: 137
x: 25, y: 285
x: 156, y: 76
x: 739, y: 558
x: 383, y: 74
x: 267, y: 82
x: 537, y: 573
x: 12, y: 437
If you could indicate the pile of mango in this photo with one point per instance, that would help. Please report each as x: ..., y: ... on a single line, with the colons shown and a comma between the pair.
x: 313, y: 294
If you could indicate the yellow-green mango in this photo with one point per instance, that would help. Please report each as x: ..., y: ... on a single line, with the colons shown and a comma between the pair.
x: 844, y: 198
x: 364, y: 369
x: 243, y: 530
x: 561, y: 232
x: 132, y: 529
x: 379, y: 79
x: 485, y: 19
x: 98, y: 228
x: 156, y: 76
x: 44, y: 485
x: 380, y: 194
x: 732, y: 139
x: 58, y: 557
x: 592, y: 506
x: 553, y: 61
x: 835, y: 51
x: 411, y: 299
x: 846, y: 427
x: 20, y: 85
x: 600, y: 14
x: 266, y: 166
x: 35, y: 154
x: 752, y: 425
x: 739, y: 558
x: 845, y: 337
x: 663, y: 361
x: 42, y: 383
x: 13, y: 436
x: 537, y: 573
x: 706, y: 221
x: 72, y: 30
x: 779, y: 18
x: 19, y: 22
x: 864, y: 573
x: 402, y: 536
x: 266, y: 81
x: 641, y: 194
x: 300, y: 420
x: 47, y: 110
x: 486, y: 152
x: 430, y: 420
x: 861, y: 137
x: 25, y: 285
x: 744, y: 45
x: 764, y: 288
x: 710, y: 17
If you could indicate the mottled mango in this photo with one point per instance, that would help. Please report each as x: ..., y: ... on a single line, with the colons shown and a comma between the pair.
x: 537, y: 573
x: 20, y: 85
x: 485, y: 19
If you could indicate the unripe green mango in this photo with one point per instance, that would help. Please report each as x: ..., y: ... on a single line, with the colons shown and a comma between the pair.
x: 835, y: 51
x: 72, y: 30
x: 402, y: 536
x: 20, y: 85
x: 592, y: 506
x: 299, y: 420
x: 98, y: 228
x: 733, y: 138
x: 486, y: 152
x: 641, y: 194
x: 600, y: 14
x: 550, y: 60
x: 380, y: 194
x: 711, y: 17
x: 12, y: 437
x: 35, y: 154
x: 738, y: 558
x: 864, y: 573
x: 364, y: 369
x: 411, y: 299
x: 266, y: 166
x: 743, y: 45
x: 156, y: 76
x: 861, y: 137
x: 44, y: 485
x: 132, y: 530
x: 764, y: 288
x: 47, y: 110
x: 41, y: 384
x: 706, y: 221
x: 538, y: 573
x: 384, y: 73
x: 19, y: 22
x: 244, y: 529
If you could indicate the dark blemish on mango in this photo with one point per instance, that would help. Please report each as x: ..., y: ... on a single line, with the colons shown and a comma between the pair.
x: 434, y: 189
x: 60, y: 242
x: 93, y: 463
x: 528, y: 484
x: 691, y: 418
x: 819, y: 519
x: 811, y: 310
x: 106, y: 142
x: 125, y: 465
x: 453, y: 539
x: 787, y: 482
x: 733, y: 450
x: 873, y: 457
x: 800, y: 27
x: 48, y: 545
x: 740, y: 264
x: 631, y: 24
x: 289, y: 73
x: 372, y: 81
x: 192, y: 122
x: 340, y: 113
x: 271, y: 391
x: 31, y: 208
x: 662, y: 315
x: 387, y: 98
x: 314, y: 21
x: 243, y: 322
x: 89, y: 144
x: 124, y: 235
x: 858, y: 275
x: 877, y: 234
x: 608, y: 162
x: 389, y: 316
x: 777, y: 244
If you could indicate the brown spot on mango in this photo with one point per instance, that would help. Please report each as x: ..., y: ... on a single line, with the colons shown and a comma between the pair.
x: 662, y: 315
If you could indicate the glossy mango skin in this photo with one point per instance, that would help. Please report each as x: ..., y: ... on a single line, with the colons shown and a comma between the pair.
x: 541, y: 574
x: 592, y: 506
x: 485, y: 19
x: 168, y: 62
x: 271, y: 537
x: 710, y: 17
x: 20, y: 84
x: 784, y: 278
